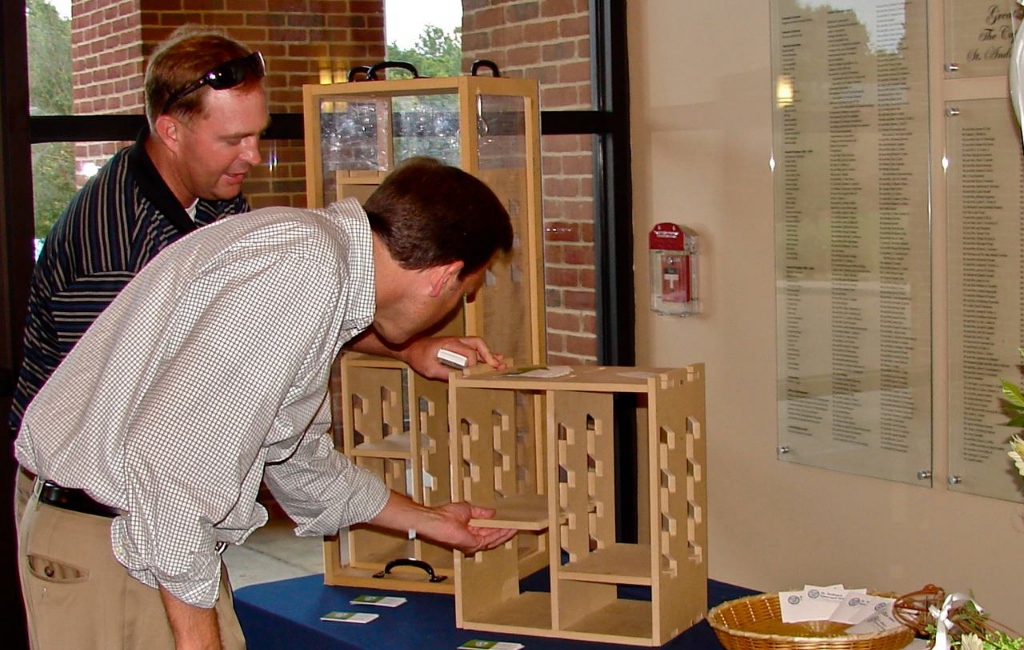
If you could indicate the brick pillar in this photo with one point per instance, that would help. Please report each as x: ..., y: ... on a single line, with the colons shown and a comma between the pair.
x: 549, y: 40
x: 107, y: 68
x: 304, y: 41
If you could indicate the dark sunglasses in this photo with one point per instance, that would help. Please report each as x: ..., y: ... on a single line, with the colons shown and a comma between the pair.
x: 227, y: 75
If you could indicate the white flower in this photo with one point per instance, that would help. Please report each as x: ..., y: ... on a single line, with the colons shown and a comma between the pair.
x: 1017, y: 453
x: 971, y: 642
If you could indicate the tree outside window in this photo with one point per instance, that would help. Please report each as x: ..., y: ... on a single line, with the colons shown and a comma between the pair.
x: 49, y: 74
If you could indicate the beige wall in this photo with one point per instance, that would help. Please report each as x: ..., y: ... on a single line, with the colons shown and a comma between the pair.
x: 701, y: 111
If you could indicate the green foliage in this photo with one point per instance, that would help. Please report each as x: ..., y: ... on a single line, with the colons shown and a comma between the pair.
x: 53, y: 182
x: 972, y: 629
x: 50, y: 93
x: 49, y: 59
x: 1002, y: 641
x: 992, y: 640
x: 437, y: 53
x: 1013, y: 400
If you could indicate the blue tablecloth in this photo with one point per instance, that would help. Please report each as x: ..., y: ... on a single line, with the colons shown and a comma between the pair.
x: 286, y: 614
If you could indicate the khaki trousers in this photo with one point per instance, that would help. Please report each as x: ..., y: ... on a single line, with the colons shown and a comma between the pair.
x: 23, y: 487
x: 77, y: 595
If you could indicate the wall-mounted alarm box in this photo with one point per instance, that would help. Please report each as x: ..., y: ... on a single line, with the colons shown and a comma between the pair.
x: 674, y: 270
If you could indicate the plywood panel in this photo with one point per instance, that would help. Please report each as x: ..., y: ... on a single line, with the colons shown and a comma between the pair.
x: 481, y: 417
x: 486, y: 581
x: 679, y: 463
x: 430, y: 401
x: 583, y: 424
x: 373, y: 407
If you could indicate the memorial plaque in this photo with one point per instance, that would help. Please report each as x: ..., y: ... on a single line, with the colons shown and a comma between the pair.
x: 985, y: 199
x: 851, y: 167
x: 979, y: 37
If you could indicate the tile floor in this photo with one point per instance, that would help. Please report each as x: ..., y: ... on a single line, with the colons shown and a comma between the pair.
x: 273, y: 553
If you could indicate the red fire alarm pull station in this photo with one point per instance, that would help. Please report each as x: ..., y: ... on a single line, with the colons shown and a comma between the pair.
x: 674, y: 270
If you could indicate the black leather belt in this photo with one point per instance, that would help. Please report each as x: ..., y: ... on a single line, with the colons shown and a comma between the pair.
x: 73, y: 499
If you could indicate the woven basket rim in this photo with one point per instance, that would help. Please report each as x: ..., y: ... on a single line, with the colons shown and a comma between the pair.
x: 716, y: 611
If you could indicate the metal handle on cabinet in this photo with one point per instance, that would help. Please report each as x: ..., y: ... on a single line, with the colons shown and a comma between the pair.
x: 413, y: 562
x: 383, y: 65
x: 359, y: 69
x: 484, y: 63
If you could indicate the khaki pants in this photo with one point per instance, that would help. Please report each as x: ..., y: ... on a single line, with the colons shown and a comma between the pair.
x: 77, y: 595
x: 23, y: 487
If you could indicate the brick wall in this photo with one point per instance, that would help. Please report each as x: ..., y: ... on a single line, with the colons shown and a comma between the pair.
x: 106, y: 54
x: 304, y: 41
x: 549, y: 40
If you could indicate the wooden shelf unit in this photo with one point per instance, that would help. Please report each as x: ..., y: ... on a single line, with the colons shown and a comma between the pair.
x: 587, y: 563
x: 395, y: 422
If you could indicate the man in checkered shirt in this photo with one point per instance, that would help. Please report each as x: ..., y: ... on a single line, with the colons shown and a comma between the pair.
x: 209, y: 373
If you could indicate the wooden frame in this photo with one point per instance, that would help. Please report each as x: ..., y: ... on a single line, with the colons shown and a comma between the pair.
x: 586, y: 561
x: 385, y: 428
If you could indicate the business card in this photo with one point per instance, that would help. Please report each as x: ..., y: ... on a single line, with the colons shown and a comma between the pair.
x: 348, y: 617
x: 378, y: 601
x: 480, y: 644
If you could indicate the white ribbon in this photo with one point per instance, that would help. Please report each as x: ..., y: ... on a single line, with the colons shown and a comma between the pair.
x: 1016, y: 68
x: 942, y: 623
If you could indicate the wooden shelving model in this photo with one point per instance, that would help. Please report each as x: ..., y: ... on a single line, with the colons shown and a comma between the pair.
x: 587, y: 564
x: 394, y: 422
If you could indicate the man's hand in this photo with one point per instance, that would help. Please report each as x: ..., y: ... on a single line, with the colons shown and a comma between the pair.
x: 447, y: 525
x: 421, y: 354
x: 470, y: 539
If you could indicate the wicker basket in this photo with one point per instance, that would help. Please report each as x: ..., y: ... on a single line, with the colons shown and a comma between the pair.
x: 755, y: 623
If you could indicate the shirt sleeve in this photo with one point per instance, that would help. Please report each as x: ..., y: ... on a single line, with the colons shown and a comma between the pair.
x: 243, y: 339
x: 320, y: 488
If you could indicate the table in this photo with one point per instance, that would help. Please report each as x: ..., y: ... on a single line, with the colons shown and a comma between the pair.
x: 286, y: 614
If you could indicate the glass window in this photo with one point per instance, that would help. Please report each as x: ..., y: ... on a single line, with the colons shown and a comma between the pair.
x: 84, y: 60
x: 49, y: 57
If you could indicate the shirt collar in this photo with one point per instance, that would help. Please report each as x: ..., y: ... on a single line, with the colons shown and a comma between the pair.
x: 154, y: 188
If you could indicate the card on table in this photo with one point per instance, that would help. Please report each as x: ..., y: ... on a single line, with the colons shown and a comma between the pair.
x: 379, y: 601
x: 480, y: 644
x: 348, y: 617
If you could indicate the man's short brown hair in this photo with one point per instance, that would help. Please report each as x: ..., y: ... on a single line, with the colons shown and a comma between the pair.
x: 429, y: 214
x: 182, y: 59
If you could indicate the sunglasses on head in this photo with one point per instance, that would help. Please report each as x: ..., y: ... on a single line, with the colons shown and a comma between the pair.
x: 226, y: 75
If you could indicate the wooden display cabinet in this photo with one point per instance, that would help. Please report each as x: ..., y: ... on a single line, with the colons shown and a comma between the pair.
x: 394, y: 421
x: 587, y: 563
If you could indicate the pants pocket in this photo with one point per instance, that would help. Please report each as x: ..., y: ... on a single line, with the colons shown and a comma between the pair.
x: 49, y: 570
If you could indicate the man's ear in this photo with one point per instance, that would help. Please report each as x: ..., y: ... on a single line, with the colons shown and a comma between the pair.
x: 168, y: 131
x: 444, y: 277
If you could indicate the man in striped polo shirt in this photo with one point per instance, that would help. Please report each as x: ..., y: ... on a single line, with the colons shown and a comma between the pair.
x: 206, y: 109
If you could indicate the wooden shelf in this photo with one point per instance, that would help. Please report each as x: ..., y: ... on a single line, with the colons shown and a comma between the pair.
x: 362, y: 360
x: 623, y: 564
x: 623, y: 621
x: 396, y: 445
x: 525, y: 512
x: 621, y: 379
x: 530, y: 610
